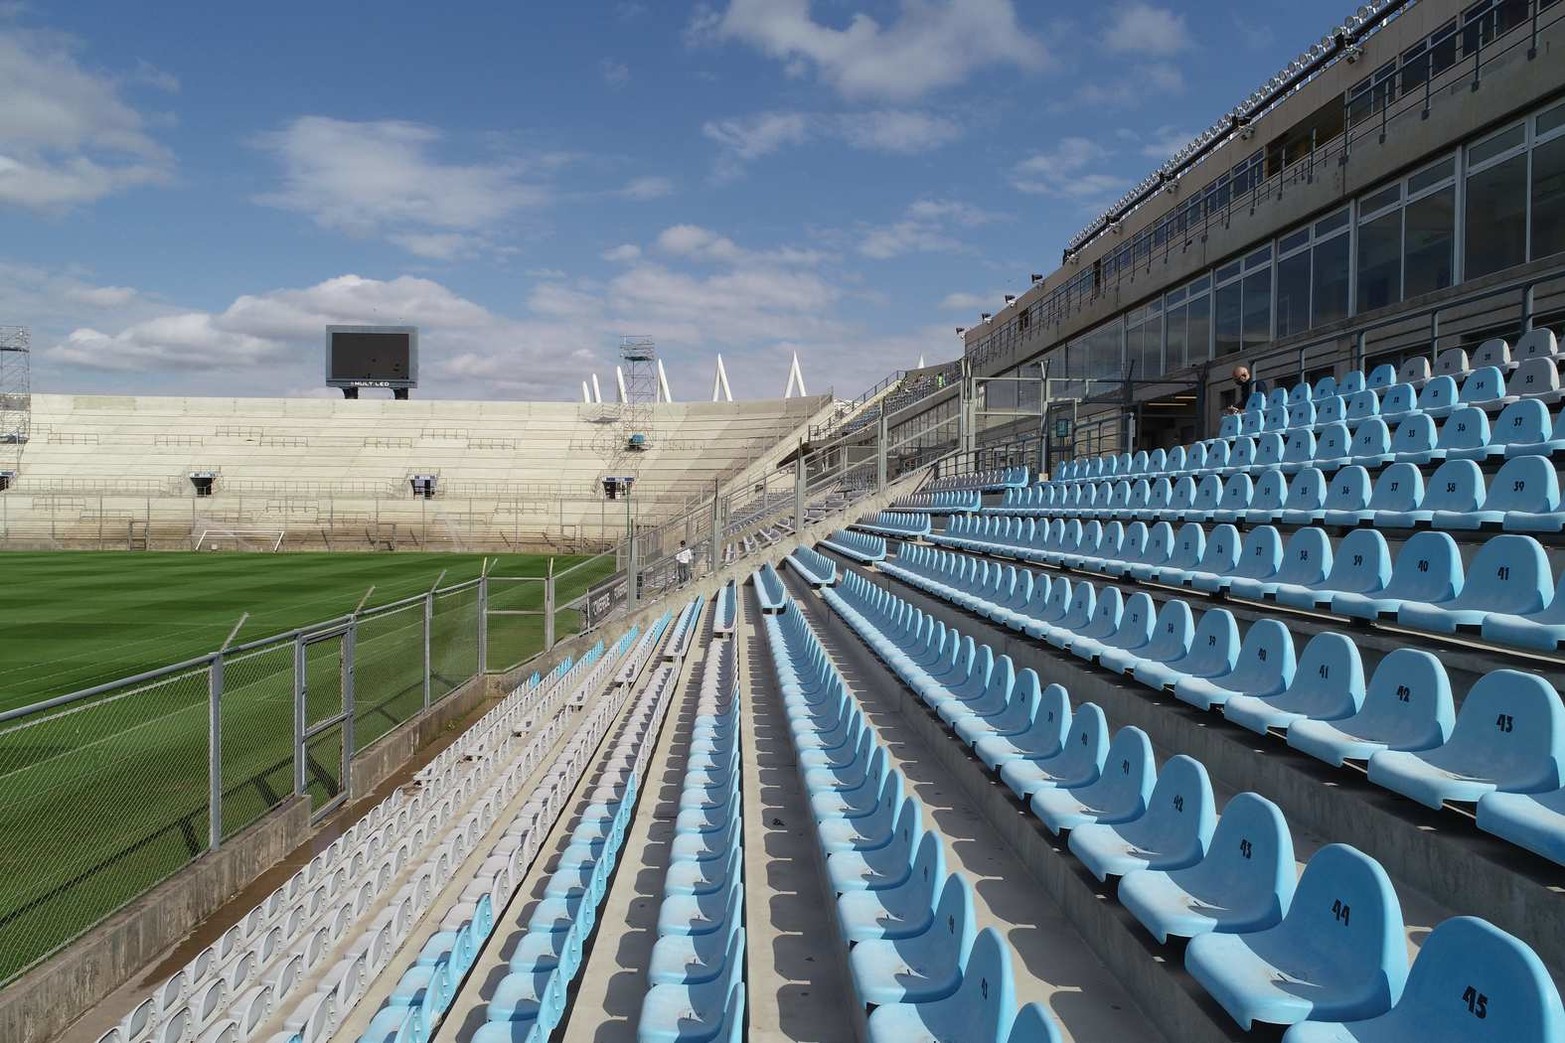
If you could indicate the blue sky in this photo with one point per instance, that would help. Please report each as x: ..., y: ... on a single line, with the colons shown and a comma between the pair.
x: 190, y: 191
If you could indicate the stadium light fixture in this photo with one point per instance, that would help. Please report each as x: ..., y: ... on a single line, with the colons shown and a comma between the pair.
x: 1037, y: 278
x: 1010, y: 299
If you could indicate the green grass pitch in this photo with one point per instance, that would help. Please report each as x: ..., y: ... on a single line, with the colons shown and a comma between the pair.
x: 107, y: 797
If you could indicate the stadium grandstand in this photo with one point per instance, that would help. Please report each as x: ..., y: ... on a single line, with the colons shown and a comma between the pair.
x: 1183, y: 662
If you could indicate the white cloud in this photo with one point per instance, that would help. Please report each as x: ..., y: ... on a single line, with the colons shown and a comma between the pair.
x: 931, y: 43
x: 149, y: 75
x: 896, y: 131
x: 388, y: 177
x: 644, y: 189
x: 967, y: 302
x: 622, y: 253
x: 1164, y: 142
x: 927, y: 226
x: 1140, y: 28
x: 697, y: 242
x: 615, y: 74
x: 1065, y: 171
x: 67, y: 137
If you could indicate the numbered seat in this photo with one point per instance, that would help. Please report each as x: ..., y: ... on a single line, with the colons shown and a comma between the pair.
x: 1347, y: 497
x: 1306, y: 559
x: 1416, y: 371
x: 1407, y: 706
x: 711, y: 1010
x: 1302, y: 393
x: 1043, y: 737
x: 1453, y: 363
x: 1160, y: 544
x: 922, y: 966
x: 1103, y: 624
x: 1371, y: 446
x: 981, y: 1008
x: 1524, y: 496
x: 1213, y: 649
x: 1136, y: 620
x: 1398, y: 494
x: 1463, y: 436
x: 1266, y: 503
x: 1518, y: 430
x: 1218, y: 559
x: 1413, y: 441
x: 1173, y: 833
x: 1333, y: 409
x: 1306, y: 497
x: 1170, y: 637
x: 1381, y: 377
x: 1452, y: 497
x: 1269, y: 449
x: 1360, y: 407
x: 1244, y: 884
x: 1471, y: 982
x: 1333, y: 447
x: 1397, y: 402
x: 1535, y: 821
x: 1077, y: 762
x: 1263, y: 667
x: 1339, y: 952
x: 1260, y: 555
x: 1362, y: 563
x: 1299, y: 452
x: 1509, y: 735
x: 1509, y: 574
x: 1428, y: 569
x: 1241, y: 457
x: 1328, y: 684
x: 1535, y: 343
x: 1235, y: 500
x: 1301, y: 414
x: 1438, y: 397
x: 1119, y: 794
x: 1485, y: 386
x: 1493, y: 352
x: 1543, y: 629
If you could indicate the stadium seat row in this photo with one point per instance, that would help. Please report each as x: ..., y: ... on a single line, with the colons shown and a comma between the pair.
x: 1326, y: 948
x: 725, y: 610
x: 1403, y: 723
x: 981, y: 481
x: 915, y: 954
x: 956, y: 502
x: 769, y: 589
x: 1507, y: 593
x: 894, y: 523
x: 696, y: 970
x: 861, y: 547
x: 817, y: 569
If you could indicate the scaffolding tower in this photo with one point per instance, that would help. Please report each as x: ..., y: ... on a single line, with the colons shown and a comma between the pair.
x: 16, y: 394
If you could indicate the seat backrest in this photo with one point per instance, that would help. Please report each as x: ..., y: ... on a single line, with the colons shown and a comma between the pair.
x: 1330, y: 410
x: 1362, y: 562
x: 1371, y: 439
x: 1275, y: 417
x: 1489, y: 983
x: 1269, y: 449
x: 1360, y: 406
x: 1398, y: 399
x: 1181, y: 813
x: 1260, y: 554
x: 1415, y: 370
x: 1277, y: 397
x: 1484, y: 385
x: 1033, y: 1025
x: 1534, y: 343
x: 1173, y: 629
x: 1307, y: 491
x: 1160, y: 541
x: 1301, y: 413
x: 1250, y: 858
x: 1408, y: 702
x: 1382, y: 376
x: 1229, y: 427
x: 1300, y: 448
x: 1189, y: 545
x: 1222, y: 550
x: 1087, y: 742
x: 1525, y: 485
x: 1252, y: 422
x: 1138, y: 463
x: 1522, y: 423
x: 1536, y: 376
x: 1510, y: 573
x: 1183, y: 495
x: 1236, y: 493
x: 1271, y: 491
x: 1439, y: 393
x: 1452, y: 362
x: 987, y: 994
x: 1512, y: 725
x: 1208, y: 491
x: 1333, y: 442
x: 1300, y: 392
x: 1243, y: 454
x: 1307, y: 557
x: 1331, y: 661
x: 1216, y: 454
x: 1324, y: 388
x: 1345, y: 910
x: 1135, y: 542
x: 1428, y: 568
x: 1157, y: 461
x: 1267, y: 651
x: 1351, y: 382
x: 1466, y: 428
x: 1492, y: 352
x: 1176, y: 459
x: 1348, y: 490
x: 955, y: 921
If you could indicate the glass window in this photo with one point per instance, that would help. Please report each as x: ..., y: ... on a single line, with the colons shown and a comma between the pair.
x: 1229, y: 319
x: 1294, y: 241
x: 1377, y: 201
x: 1258, y: 258
x: 1552, y: 119
x: 1380, y: 261
x: 1175, y: 296
x: 1430, y: 242
x: 1329, y: 275
x: 1256, y: 328
x: 1198, y: 336
x: 1431, y: 175
x: 1327, y: 225
x: 1548, y: 197
x: 1176, y: 349
x: 1293, y: 293
x: 1495, y: 144
x: 1227, y: 271
x: 1496, y: 217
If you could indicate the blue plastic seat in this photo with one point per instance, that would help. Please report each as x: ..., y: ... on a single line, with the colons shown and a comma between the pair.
x: 1244, y: 884
x: 1019, y: 708
x: 1268, y: 451
x: 1371, y: 445
x: 1306, y: 497
x: 1438, y: 397
x: 1553, y: 441
x: 690, y: 959
x: 1208, y: 492
x: 1509, y: 574
x: 1332, y: 410
x: 898, y: 910
x: 1218, y: 560
x: 1543, y: 629
x: 1136, y: 620
x: 1360, y: 407
x: 1275, y: 417
x: 1184, y: 556
x: 1173, y: 833
x: 1381, y: 377
x: 1324, y: 388
x: 1043, y: 737
x: 1485, y: 384
x: 1413, y: 441
x: 1398, y: 493
x: 1519, y: 428
x: 1170, y: 637
x: 1407, y: 706
x: 1398, y: 401
x: 1077, y: 762
x: 1117, y: 795
x: 1463, y: 436
x: 1235, y: 500
x: 922, y: 966
x: 1160, y: 542
x: 1327, y: 684
x: 981, y: 1009
x: 1263, y: 667
x: 1428, y: 569
x: 1252, y: 422
x: 1509, y: 735
x: 1260, y: 555
x: 1301, y: 414
x: 711, y: 1010
x: 1299, y: 452
x: 1339, y: 952
x: 868, y: 832
x: 1302, y: 392
x: 1266, y: 503
x: 1241, y: 457
x: 1471, y: 983
x: 1333, y: 447
x: 1362, y: 562
x: 1524, y: 496
x: 1535, y: 821
x: 1103, y: 624
x: 1229, y: 427
x: 1347, y: 497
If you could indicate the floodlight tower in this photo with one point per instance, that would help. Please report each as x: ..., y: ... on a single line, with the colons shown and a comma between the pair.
x: 16, y: 397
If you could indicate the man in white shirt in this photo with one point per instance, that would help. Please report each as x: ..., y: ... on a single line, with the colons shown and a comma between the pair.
x: 683, y: 559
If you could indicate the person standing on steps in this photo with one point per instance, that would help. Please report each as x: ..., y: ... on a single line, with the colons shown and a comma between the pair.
x: 683, y: 559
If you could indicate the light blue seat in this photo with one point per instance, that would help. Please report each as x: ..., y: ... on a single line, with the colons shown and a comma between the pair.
x: 899, y: 910
x: 1076, y: 763
x: 1485, y: 384
x: 1347, y: 496
x: 1241, y: 457
x: 1509, y: 735
x: 980, y: 1010
x: 1428, y: 569
x: 1301, y: 414
x: 1263, y: 667
x: 1398, y: 493
x: 866, y: 833
x: 1463, y: 436
x: 989, y: 701
x: 1543, y: 629
x: 1332, y: 410
x: 887, y: 866
x: 1252, y: 422
x: 1218, y: 560
x: 1172, y: 834
x: 1339, y: 952
x: 1438, y: 397
x: 1362, y: 562
x: 1043, y: 737
x: 1103, y: 624
x: 1131, y: 548
x: 1266, y: 503
x: 1244, y: 884
x: 1453, y: 495
x: 1235, y: 500
x: 699, y: 878
x: 1324, y: 388
x: 1398, y: 401
x: 1170, y: 638
x: 1413, y: 441
x: 1217, y: 452
x: 1278, y: 396
x: 1553, y: 441
x: 1160, y: 543
x: 1381, y: 377
x: 1136, y: 620
x: 1407, y: 706
x: 690, y: 959
x: 1019, y: 709
x: 1275, y: 417
x: 1471, y: 983
x: 1268, y: 452
x: 1519, y: 427
x: 1535, y: 821
x: 712, y: 1010
x: 1300, y: 451
x: 1117, y: 795
x: 1328, y: 684
x: 1208, y: 491
x: 1260, y: 555
x: 1302, y: 392
x: 1033, y: 1025
x: 1306, y: 497
x: 1360, y: 406
x: 1229, y: 427
x: 1351, y: 382
x: 1371, y: 445
x: 1183, y: 557
x: 1524, y: 496
x: 923, y: 966
x: 1509, y: 574
x: 1333, y: 447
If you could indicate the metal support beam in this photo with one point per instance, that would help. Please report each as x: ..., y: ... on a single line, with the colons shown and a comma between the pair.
x: 301, y: 683
x: 881, y: 442
x: 800, y: 490
x: 429, y: 626
x: 548, y: 607
x: 483, y: 619
x: 214, y: 684
x: 349, y: 708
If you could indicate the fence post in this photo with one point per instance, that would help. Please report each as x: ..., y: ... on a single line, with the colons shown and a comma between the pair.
x: 429, y: 623
x: 301, y: 683
x: 881, y: 436
x: 483, y: 619
x: 548, y: 608
x: 214, y: 685
x: 349, y: 646
x: 800, y: 483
